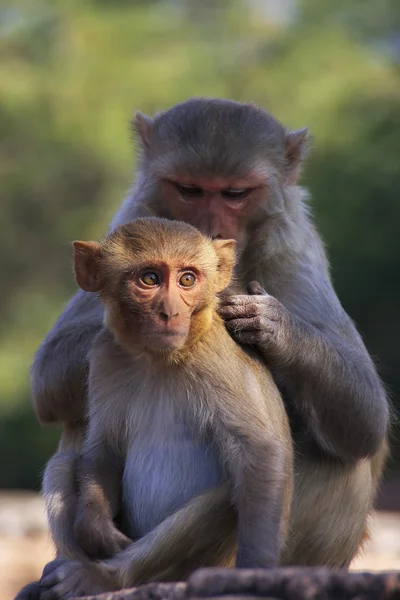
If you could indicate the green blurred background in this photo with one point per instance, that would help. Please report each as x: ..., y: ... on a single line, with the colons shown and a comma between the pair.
x: 71, y: 75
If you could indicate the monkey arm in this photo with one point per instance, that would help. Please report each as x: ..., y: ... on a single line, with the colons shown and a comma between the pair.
x: 260, y: 463
x: 334, y: 386
x: 323, y: 369
x: 60, y: 494
x: 81, y: 501
x: 59, y: 370
x: 99, y: 485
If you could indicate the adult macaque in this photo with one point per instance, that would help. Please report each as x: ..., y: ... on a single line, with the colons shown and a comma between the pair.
x: 176, y: 408
x: 231, y: 170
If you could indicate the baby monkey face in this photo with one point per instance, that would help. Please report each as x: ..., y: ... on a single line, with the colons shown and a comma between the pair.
x: 158, y: 301
x: 157, y: 280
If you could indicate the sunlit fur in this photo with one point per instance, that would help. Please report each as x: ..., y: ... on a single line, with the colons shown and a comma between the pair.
x: 142, y: 243
x: 202, y: 432
x: 337, y: 403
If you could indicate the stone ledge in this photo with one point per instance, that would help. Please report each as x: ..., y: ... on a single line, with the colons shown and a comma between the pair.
x: 150, y: 591
x: 274, y: 584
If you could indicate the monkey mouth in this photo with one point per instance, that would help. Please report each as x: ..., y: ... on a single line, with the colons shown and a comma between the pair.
x: 168, y: 329
x: 169, y: 333
x: 166, y: 340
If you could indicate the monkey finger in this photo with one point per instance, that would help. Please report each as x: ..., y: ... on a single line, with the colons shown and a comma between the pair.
x: 48, y: 595
x: 51, y: 580
x: 54, y: 593
x: 256, y: 289
x: 252, y: 325
x: 59, y: 593
x: 235, y: 325
x: 58, y: 575
x: 238, y: 300
x: 52, y: 566
x: 63, y: 589
x: 252, y: 338
x: 244, y: 310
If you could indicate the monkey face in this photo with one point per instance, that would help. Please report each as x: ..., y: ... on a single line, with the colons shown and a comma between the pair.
x: 158, y: 281
x: 156, y: 304
x: 216, y: 164
x: 218, y: 207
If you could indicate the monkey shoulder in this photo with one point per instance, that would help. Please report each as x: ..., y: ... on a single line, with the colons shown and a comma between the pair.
x: 112, y: 382
x: 225, y: 365
x: 106, y: 358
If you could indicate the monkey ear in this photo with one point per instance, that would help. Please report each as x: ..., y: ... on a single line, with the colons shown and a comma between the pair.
x: 297, y: 147
x: 142, y: 126
x: 86, y: 259
x: 225, y: 250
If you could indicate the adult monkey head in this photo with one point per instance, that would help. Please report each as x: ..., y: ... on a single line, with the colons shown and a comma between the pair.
x: 219, y: 165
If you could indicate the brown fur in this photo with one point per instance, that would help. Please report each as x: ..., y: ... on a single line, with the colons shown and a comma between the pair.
x: 209, y: 385
x: 337, y: 405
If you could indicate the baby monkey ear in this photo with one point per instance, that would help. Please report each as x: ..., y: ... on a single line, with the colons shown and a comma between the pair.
x: 86, y: 264
x: 142, y: 125
x: 225, y: 250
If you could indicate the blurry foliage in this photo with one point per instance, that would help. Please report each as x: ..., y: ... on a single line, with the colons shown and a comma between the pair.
x: 71, y: 75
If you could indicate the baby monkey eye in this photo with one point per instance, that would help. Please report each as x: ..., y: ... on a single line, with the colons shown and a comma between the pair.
x: 193, y: 191
x: 235, y: 194
x: 187, y: 280
x: 150, y: 278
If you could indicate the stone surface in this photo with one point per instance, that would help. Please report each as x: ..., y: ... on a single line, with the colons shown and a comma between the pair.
x: 294, y: 584
x: 273, y: 584
x: 151, y: 591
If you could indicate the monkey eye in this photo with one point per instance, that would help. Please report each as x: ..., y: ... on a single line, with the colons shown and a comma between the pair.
x: 235, y: 194
x: 150, y: 278
x: 187, y: 280
x: 192, y: 191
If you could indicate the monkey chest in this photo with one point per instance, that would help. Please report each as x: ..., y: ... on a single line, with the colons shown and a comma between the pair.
x: 166, y: 466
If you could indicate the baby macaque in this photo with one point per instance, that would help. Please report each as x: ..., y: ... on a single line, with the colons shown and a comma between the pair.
x: 187, y: 431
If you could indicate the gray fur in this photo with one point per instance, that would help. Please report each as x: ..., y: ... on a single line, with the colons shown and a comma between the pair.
x: 337, y: 404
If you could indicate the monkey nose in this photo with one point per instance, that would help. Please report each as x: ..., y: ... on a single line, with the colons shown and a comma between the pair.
x: 167, y: 316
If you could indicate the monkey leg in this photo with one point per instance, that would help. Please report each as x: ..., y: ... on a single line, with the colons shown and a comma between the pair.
x: 201, y: 534
x: 61, y: 495
x: 330, y: 510
x: 60, y: 488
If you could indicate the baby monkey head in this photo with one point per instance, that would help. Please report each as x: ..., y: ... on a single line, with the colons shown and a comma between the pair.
x: 158, y: 281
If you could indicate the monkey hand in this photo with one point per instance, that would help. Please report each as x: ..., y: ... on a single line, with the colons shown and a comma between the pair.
x: 259, y: 320
x: 98, y: 536
x: 63, y: 578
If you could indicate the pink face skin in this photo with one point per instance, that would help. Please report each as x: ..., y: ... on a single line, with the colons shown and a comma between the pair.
x: 217, y: 207
x: 165, y: 297
x: 154, y: 302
